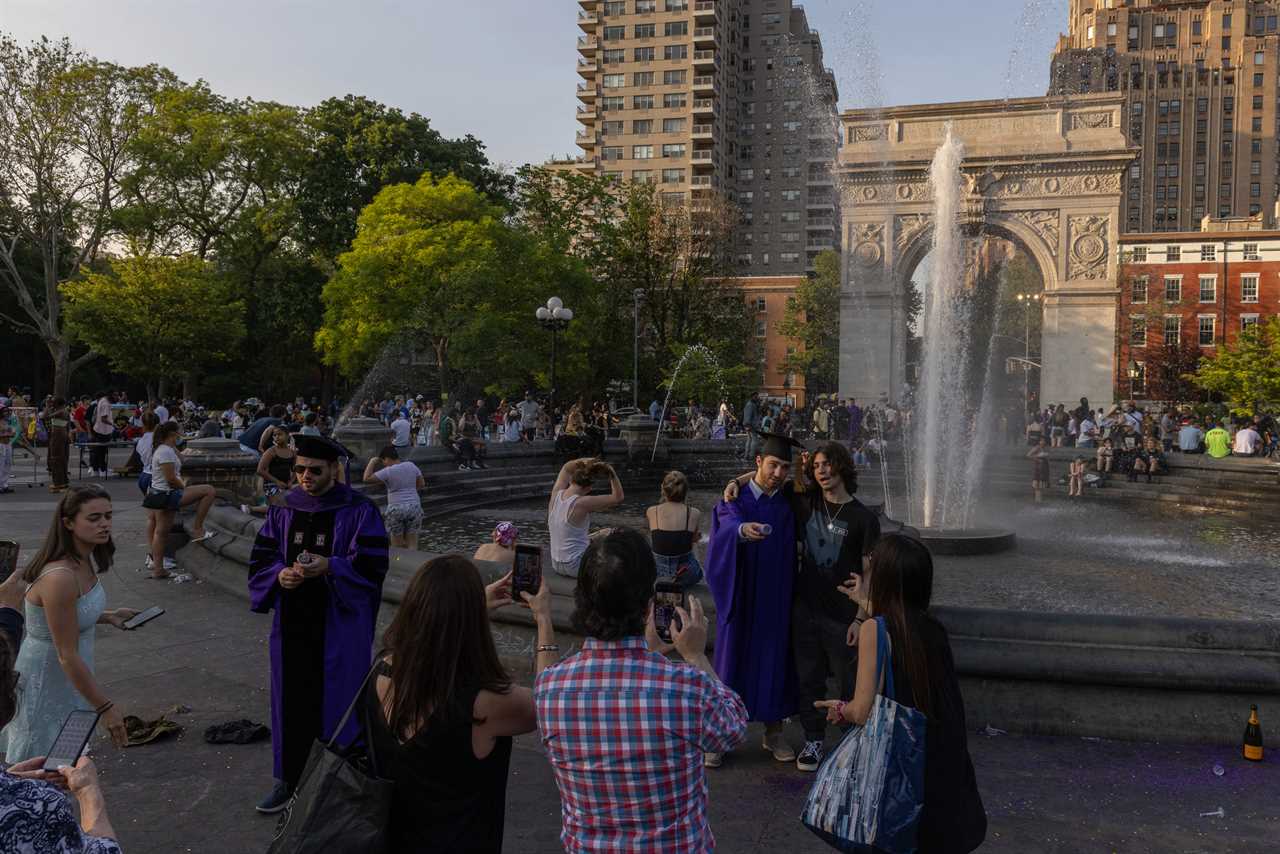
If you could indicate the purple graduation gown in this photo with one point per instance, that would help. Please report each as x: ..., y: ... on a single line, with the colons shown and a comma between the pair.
x: 322, y: 631
x: 751, y: 584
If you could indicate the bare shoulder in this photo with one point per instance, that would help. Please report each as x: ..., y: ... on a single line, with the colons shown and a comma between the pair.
x: 56, y: 582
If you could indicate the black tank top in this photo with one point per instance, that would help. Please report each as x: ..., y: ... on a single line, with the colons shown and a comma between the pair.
x: 446, y: 801
x: 673, y: 543
x: 281, y: 468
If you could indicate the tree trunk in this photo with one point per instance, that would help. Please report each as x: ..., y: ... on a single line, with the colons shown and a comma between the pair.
x: 60, y: 353
x: 188, y: 387
x: 441, y: 346
x: 162, y: 386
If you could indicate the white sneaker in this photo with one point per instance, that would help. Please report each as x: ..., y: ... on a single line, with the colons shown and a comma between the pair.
x: 776, y: 743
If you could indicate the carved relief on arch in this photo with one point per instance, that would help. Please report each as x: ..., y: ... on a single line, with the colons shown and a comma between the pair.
x: 1046, y: 224
x: 1088, y: 246
x: 867, y: 240
x: 908, y: 228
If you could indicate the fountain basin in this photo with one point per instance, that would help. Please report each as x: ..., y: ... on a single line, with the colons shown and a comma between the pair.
x: 969, y: 541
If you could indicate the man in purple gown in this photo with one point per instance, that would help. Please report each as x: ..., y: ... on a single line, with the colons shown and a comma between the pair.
x: 318, y: 562
x: 751, y: 573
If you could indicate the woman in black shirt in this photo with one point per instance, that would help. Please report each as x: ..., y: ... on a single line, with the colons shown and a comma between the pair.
x: 442, y: 711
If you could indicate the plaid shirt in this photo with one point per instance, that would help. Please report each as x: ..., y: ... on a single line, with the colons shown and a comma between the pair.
x: 625, y: 730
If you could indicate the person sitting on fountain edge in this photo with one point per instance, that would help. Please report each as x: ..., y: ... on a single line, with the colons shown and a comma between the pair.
x: 751, y: 571
x: 836, y: 532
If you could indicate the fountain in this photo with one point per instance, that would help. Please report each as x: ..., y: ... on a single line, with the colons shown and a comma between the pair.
x: 950, y: 429
x: 671, y: 386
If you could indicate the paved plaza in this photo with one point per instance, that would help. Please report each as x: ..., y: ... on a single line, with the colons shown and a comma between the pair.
x: 207, y: 656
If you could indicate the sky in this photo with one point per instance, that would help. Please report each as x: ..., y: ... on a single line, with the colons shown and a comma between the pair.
x: 503, y: 70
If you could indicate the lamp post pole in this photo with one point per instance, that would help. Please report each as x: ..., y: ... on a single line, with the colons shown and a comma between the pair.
x: 554, y: 317
x: 1026, y: 300
x: 635, y: 351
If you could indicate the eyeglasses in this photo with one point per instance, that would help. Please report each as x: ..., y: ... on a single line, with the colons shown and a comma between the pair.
x: 315, y: 470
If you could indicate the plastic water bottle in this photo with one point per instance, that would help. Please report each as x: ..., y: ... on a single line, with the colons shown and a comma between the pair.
x: 766, y: 529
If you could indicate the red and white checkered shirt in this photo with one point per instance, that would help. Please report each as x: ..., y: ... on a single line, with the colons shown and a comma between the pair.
x: 625, y: 730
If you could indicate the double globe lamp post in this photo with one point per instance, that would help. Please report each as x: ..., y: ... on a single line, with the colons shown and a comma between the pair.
x: 555, y: 317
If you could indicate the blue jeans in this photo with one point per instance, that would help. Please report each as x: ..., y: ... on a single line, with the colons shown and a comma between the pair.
x: 685, y: 569
x: 144, y: 482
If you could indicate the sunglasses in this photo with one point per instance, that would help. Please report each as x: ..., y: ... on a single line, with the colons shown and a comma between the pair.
x: 315, y: 470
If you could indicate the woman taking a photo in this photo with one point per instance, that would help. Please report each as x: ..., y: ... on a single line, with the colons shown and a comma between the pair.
x: 896, y: 588
x: 64, y: 601
x: 168, y: 493
x: 673, y: 530
x: 276, y: 466
x: 442, y: 710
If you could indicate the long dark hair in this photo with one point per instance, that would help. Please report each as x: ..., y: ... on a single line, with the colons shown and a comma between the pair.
x: 901, y: 587
x: 440, y: 646
x: 60, y: 542
x: 838, y: 455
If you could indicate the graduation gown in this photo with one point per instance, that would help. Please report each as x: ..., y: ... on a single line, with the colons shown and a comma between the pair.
x: 322, y: 631
x: 752, y: 586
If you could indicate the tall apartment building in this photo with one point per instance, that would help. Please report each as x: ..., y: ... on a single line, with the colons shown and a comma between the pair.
x: 716, y: 96
x: 1204, y: 102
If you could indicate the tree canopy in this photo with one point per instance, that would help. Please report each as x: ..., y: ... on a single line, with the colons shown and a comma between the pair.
x: 1246, y: 371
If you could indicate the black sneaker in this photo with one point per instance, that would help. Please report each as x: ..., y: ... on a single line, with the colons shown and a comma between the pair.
x: 276, y: 801
x: 811, y: 757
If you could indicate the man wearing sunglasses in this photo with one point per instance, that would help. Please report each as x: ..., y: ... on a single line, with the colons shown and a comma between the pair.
x: 318, y: 562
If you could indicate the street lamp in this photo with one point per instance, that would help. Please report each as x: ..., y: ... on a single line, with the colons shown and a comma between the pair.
x: 1027, y: 300
x: 637, y: 295
x: 555, y: 317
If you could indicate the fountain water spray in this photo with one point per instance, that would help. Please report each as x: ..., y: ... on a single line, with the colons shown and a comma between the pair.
x: 671, y: 387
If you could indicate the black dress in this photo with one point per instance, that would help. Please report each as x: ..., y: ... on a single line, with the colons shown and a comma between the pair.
x: 446, y: 800
x: 953, y: 820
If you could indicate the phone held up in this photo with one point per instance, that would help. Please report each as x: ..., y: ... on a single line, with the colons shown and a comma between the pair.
x: 526, y: 574
x: 143, y: 617
x: 71, y: 739
x: 667, y: 596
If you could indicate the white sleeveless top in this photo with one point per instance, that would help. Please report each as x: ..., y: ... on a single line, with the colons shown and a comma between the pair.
x: 568, y: 542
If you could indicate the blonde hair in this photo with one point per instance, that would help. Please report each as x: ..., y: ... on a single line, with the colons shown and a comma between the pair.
x: 675, y: 486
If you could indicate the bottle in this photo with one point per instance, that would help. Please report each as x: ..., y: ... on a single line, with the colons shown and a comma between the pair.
x: 1253, y: 736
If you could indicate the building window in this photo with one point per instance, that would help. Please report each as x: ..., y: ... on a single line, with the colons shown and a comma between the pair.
x: 762, y: 326
x: 642, y: 102
x: 640, y: 78
x: 1172, y: 330
x: 611, y: 103
x: 1208, y: 289
x: 1247, y: 320
x: 673, y: 78
x: 675, y: 51
x: 642, y: 126
x: 1208, y: 252
x: 1138, y: 330
x: 673, y: 125
x: 1207, y: 328
x: 643, y: 176
x: 789, y: 257
x: 616, y: 81
x: 673, y: 176
x: 1251, y: 252
x: 615, y: 177
x: 673, y: 149
x: 614, y: 56
x: 645, y: 7
x: 677, y: 5
x: 1249, y: 288
x: 646, y: 31
x: 761, y: 304
x: 644, y: 54
x: 613, y: 34
x: 1173, y: 289
x: 1138, y: 255
x: 1138, y: 382
x: 641, y: 152
x: 676, y: 28
x: 1259, y: 58
x: 616, y: 7
x: 674, y: 99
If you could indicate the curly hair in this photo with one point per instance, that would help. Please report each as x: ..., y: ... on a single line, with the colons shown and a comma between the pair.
x: 615, y: 586
x: 838, y: 455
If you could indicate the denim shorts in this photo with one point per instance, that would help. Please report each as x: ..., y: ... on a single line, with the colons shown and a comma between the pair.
x: 172, y: 500
x: 144, y: 482
x: 685, y: 569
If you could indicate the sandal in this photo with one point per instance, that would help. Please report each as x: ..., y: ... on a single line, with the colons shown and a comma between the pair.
x: 151, y: 576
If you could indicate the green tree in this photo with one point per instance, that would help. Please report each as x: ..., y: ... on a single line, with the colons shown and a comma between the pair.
x: 1245, y: 371
x: 423, y: 261
x: 67, y: 122
x: 812, y: 318
x: 156, y: 318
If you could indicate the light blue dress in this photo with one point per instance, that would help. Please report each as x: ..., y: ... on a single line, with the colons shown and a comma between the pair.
x: 45, y: 694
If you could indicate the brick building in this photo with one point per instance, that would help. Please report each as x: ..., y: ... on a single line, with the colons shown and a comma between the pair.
x: 1203, y: 286
x: 768, y: 296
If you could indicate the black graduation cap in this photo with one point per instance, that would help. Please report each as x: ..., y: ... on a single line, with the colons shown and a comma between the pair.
x: 776, y: 445
x: 318, y: 447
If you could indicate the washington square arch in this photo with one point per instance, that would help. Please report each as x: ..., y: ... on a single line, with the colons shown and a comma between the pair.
x: 1044, y: 173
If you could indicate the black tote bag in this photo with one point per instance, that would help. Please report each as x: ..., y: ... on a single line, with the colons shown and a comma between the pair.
x: 342, y: 805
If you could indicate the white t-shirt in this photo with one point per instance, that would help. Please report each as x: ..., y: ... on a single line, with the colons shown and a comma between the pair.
x: 101, y: 411
x: 1247, y: 441
x: 402, y: 483
x: 529, y: 410
x: 164, y: 454
x: 145, y: 450
x: 400, y: 432
x: 162, y: 412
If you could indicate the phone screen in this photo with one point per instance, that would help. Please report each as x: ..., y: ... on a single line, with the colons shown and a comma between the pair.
x: 71, y: 739
x: 144, y: 617
x: 8, y: 559
x: 666, y: 598
x: 527, y: 572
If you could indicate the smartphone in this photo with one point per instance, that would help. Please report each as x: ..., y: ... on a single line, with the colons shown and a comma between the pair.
x: 143, y: 617
x: 71, y: 739
x: 667, y: 596
x: 527, y: 572
x: 8, y: 559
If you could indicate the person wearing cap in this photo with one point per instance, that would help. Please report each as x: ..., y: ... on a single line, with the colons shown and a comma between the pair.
x: 318, y: 564
x: 502, y: 548
x: 751, y: 572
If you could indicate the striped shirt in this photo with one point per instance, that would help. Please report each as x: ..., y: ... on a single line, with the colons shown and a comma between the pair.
x: 625, y: 730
